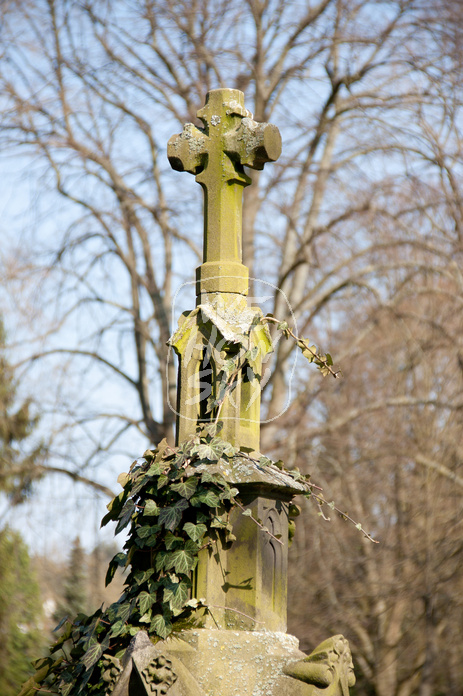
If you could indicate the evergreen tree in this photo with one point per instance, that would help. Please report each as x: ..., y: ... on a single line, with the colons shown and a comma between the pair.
x: 75, y: 593
x: 20, y: 612
x: 18, y: 469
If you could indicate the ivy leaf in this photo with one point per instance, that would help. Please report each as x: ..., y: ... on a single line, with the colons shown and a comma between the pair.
x: 264, y: 461
x: 171, y: 540
x: 145, y: 602
x: 154, y: 538
x: 182, y: 560
x: 140, y: 576
x: 230, y: 365
x: 126, y: 513
x: 205, y: 451
x: 162, y: 481
x: 161, y: 558
x: 161, y: 448
x: 67, y: 689
x: 118, y: 561
x: 185, y: 449
x: 307, y: 354
x: 193, y: 603
x: 176, y: 594
x: 114, y: 507
x: 210, y: 403
x: 117, y: 628
x: 145, y: 531
x: 61, y: 623
x: 219, y: 522
x: 229, y: 493
x: 207, y: 477
x: 212, y: 428
x: 195, y: 531
x: 151, y: 508
x: 155, y: 469
x: 208, y: 497
x: 171, y: 516
x: 124, y: 610
x: 66, y: 684
x: 92, y: 655
x: 59, y: 643
x: 186, y: 488
x: 160, y: 626
x: 229, y: 449
x: 123, y: 479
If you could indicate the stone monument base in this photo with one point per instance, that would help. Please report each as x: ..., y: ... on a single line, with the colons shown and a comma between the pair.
x: 216, y: 662
x: 238, y: 663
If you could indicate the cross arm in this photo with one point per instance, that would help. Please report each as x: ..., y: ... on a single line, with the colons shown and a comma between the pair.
x: 187, y: 152
x: 253, y: 144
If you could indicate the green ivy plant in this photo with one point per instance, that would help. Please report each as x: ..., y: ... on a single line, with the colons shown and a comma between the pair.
x: 324, y: 363
x: 174, y: 507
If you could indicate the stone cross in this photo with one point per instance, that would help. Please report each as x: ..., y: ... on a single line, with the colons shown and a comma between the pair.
x: 230, y: 140
x: 243, y: 583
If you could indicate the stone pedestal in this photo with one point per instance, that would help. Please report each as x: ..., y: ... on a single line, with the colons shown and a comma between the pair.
x: 239, y: 663
x: 244, y: 584
x: 208, y: 662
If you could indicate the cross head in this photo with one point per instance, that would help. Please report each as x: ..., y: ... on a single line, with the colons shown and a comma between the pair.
x: 217, y: 154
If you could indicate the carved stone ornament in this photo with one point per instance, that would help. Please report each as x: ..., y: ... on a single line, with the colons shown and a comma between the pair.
x: 159, y: 675
x: 112, y: 670
x: 147, y: 671
x: 328, y: 668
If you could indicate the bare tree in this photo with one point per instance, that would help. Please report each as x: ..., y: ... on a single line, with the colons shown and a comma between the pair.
x: 358, y: 225
x: 396, y: 464
x: 93, y: 92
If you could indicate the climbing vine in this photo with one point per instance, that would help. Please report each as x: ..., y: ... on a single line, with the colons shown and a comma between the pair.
x: 247, y: 356
x: 175, y: 505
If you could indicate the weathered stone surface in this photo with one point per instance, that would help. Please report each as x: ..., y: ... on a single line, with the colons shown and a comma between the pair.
x: 214, y: 662
x: 247, y: 472
x: 239, y: 663
x: 244, y: 583
x: 205, y: 339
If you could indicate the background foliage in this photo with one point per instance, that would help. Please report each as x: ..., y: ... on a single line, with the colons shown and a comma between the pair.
x: 20, y: 613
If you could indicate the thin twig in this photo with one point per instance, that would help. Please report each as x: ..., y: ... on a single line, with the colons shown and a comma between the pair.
x: 321, y: 501
x: 303, y: 345
x: 264, y: 529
